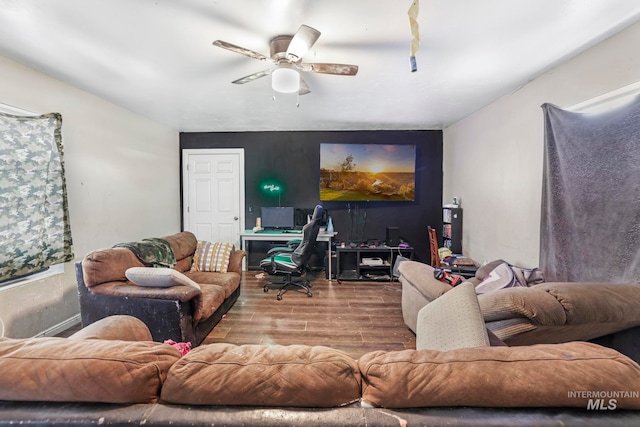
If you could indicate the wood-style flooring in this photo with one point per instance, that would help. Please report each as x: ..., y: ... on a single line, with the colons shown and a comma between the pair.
x: 356, y: 317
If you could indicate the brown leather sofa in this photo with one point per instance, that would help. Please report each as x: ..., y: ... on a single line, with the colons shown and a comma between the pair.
x: 111, y: 373
x: 180, y: 313
x: 545, y: 313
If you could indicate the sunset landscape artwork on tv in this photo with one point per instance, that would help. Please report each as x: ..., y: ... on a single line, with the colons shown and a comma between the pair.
x: 367, y: 172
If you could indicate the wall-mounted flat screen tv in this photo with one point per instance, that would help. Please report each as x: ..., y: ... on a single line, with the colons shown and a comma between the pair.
x: 367, y: 172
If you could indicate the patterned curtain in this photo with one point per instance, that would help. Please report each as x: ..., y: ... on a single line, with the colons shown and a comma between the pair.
x: 34, y: 225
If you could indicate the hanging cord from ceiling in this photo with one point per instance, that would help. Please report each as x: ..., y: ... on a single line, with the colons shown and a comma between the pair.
x: 415, y: 32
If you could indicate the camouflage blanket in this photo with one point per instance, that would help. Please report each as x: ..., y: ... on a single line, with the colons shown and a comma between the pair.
x: 152, y: 252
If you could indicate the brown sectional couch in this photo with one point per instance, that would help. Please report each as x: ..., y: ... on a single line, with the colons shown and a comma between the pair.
x: 551, y: 312
x: 101, y: 377
x: 180, y: 313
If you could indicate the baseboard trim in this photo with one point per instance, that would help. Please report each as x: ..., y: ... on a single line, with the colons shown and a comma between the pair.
x: 60, y: 327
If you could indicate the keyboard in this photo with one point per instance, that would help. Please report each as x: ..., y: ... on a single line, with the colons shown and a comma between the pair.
x: 274, y: 231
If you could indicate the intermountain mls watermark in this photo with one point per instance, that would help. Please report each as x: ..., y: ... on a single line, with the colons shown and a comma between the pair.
x: 603, y: 400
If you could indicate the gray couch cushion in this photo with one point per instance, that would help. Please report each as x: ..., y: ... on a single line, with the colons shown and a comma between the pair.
x: 452, y: 321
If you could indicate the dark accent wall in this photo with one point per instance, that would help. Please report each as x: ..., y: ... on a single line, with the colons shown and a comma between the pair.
x: 293, y: 159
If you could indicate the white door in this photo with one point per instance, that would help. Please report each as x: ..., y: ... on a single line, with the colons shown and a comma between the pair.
x: 213, y: 194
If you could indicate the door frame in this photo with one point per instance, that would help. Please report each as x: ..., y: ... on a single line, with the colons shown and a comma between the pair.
x: 184, y: 182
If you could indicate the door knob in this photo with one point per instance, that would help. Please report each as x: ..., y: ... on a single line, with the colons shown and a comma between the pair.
x: 235, y: 218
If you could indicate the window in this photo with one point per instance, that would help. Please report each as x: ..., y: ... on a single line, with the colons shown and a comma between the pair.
x: 34, y: 221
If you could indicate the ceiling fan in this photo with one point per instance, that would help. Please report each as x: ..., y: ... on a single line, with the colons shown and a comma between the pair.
x: 286, y: 54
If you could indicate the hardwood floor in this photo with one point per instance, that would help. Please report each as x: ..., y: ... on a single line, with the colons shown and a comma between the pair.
x: 356, y: 317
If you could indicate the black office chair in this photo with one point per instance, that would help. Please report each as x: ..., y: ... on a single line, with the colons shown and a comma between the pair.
x: 290, y: 246
x: 294, y: 263
x: 302, y: 216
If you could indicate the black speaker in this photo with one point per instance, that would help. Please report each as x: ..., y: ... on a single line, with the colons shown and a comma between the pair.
x: 393, y: 236
x: 334, y: 265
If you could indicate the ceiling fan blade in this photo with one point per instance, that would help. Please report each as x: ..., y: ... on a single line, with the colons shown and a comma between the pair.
x: 304, y: 87
x: 252, y: 77
x: 301, y: 42
x: 340, y: 69
x: 241, y: 50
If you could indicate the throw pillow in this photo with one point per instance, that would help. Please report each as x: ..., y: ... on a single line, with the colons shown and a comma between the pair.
x: 212, y: 256
x: 158, y: 277
x: 452, y: 321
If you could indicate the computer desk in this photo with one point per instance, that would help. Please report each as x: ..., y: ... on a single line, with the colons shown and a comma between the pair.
x: 281, y: 236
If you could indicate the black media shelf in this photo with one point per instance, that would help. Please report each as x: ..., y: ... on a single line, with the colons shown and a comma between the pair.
x: 368, y: 263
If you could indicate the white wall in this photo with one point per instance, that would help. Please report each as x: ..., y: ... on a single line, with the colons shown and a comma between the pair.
x: 122, y: 173
x: 493, y: 158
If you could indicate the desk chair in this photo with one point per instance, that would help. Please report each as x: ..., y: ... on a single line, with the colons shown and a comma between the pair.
x: 302, y: 216
x: 290, y: 246
x: 291, y: 264
x: 433, y: 246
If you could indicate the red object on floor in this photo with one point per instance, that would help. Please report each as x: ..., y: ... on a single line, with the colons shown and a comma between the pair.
x: 183, y: 347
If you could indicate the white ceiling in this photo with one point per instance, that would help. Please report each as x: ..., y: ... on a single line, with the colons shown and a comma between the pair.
x: 155, y: 57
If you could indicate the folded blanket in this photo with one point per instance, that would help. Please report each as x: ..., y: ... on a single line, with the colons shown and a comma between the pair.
x: 152, y: 252
x: 509, y: 276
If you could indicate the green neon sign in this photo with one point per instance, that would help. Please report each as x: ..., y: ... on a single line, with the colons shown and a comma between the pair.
x: 271, y: 188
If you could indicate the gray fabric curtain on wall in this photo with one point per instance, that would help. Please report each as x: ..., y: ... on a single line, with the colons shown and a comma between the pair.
x: 590, y: 225
x: 34, y: 221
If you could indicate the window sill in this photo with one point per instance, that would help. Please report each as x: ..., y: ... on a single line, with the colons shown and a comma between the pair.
x: 54, y: 270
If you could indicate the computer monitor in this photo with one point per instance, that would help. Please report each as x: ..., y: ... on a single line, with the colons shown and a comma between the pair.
x: 277, y: 217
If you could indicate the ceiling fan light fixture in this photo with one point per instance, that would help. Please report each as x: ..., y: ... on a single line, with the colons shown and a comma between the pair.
x: 285, y: 80
x: 286, y: 53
